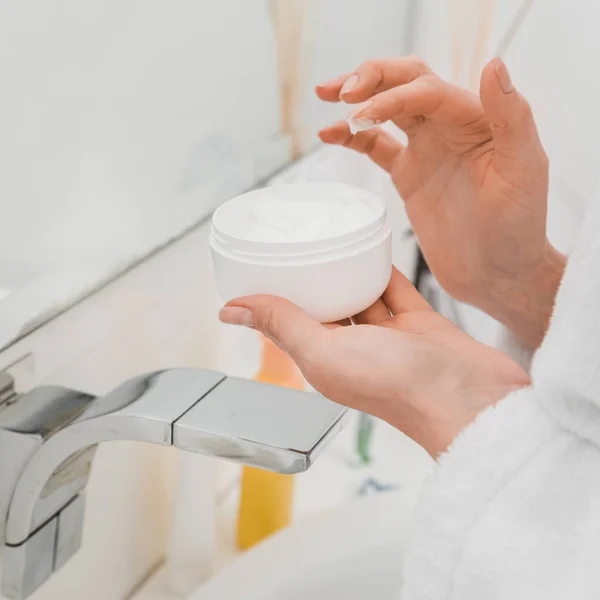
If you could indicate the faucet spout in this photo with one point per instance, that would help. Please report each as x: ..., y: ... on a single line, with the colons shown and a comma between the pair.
x: 48, y: 438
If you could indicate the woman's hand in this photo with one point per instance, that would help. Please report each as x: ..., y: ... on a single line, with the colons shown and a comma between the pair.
x: 474, y: 177
x: 403, y: 362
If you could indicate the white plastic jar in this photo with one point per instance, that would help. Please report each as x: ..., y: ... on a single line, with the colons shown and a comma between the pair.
x: 326, y: 247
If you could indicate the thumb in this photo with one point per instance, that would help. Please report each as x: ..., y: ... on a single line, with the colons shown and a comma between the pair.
x: 288, y: 326
x: 519, y: 155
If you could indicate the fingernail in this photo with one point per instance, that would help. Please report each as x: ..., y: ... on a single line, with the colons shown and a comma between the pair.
x: 504, y: 79
x: 328, y: 83
x: 236, y: 315
x: 349, y: 84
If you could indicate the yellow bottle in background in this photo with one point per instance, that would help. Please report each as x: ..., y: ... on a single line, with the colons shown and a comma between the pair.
x: 266, y: 498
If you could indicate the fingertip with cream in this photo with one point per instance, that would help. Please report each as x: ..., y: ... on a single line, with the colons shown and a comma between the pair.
x: 358, y: 121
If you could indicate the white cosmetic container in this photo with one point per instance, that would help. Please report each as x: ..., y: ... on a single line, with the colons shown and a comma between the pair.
x: 326, y: 247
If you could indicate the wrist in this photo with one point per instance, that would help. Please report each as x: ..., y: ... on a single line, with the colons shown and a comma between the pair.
x: 459, y: 397
x: 525, y: 307
x: 444, y: 429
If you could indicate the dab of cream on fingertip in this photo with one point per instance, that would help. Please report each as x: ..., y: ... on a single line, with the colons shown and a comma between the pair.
x: 357, y: 124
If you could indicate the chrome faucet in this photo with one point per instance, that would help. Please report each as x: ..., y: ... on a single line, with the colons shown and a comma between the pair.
x: 48, y: 438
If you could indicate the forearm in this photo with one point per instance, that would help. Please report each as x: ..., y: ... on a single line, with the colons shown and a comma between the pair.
x: 525, y: 307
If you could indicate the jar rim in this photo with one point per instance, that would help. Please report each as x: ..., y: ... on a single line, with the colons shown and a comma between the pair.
x: 330, y: 254
x: 262, y: 249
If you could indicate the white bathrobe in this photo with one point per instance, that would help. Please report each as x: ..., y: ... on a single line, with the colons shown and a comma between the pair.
x: 513, y: 509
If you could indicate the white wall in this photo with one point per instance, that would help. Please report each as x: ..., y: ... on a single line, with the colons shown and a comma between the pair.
x: 552, y: 60
x: 122, y: 123
x: 554, y: 63
x: 125, y: 122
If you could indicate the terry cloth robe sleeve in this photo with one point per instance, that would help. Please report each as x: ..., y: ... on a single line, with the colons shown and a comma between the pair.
x: 512, y: 511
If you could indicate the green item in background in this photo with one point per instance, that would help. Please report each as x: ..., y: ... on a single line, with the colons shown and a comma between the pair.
x: 366, y: 424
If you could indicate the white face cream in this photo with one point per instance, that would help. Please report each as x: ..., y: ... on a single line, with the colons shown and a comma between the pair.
x: 300, y: 213
x: 324, y: 246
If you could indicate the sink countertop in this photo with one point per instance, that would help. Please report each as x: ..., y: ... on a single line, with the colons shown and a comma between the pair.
x: 333, y: 481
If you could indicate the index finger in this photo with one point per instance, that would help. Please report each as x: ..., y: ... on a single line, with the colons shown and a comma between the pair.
x: 372, y: 77
x: 329, y: 91
x: 379, y: 75
x: 429, y: 96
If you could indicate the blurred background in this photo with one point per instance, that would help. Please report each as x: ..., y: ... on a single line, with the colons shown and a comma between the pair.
x: 123, y: 124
